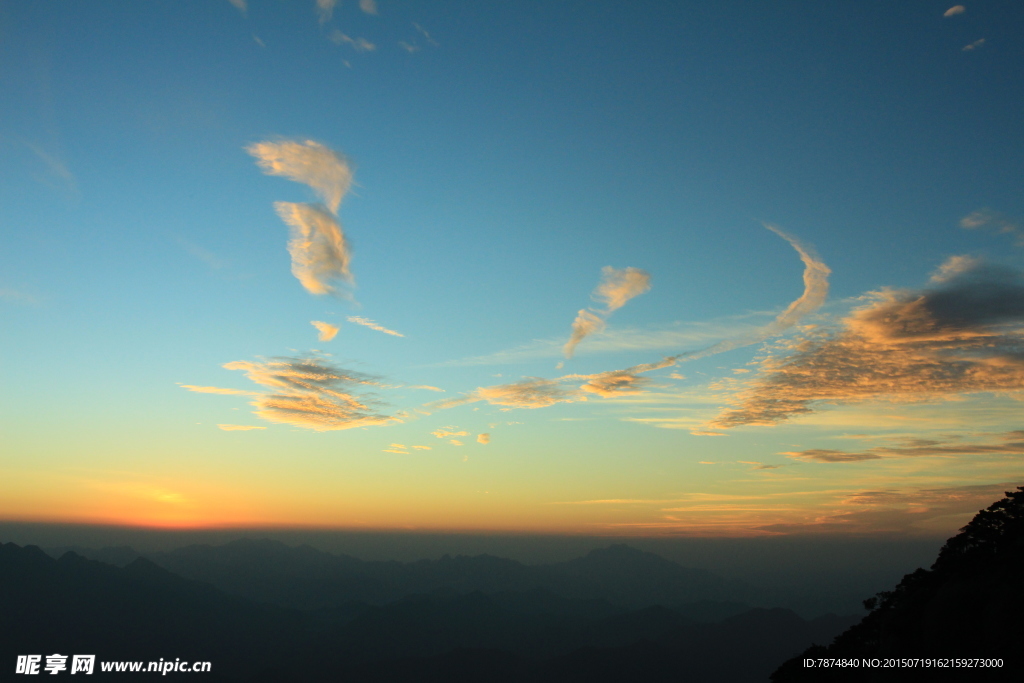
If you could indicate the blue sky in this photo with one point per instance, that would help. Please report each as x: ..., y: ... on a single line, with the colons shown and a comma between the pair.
x: 503, y: 156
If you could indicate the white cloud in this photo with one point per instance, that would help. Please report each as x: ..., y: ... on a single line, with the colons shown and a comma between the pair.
x: 368, y: 6
x: 954, y: 10
x: 238, y: 428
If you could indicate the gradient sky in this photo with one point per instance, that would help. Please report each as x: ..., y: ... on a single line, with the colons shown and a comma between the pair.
x: 785, y: 239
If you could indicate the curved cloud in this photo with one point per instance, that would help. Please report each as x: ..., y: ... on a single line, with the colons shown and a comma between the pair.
x: 307, y: 162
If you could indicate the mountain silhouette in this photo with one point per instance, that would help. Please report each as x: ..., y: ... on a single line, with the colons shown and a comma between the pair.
x: 142, y: 612
x: 968, y: 605
x: 305, y: 578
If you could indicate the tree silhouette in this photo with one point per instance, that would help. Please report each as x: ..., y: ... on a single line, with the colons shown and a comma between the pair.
x: 968, y: 605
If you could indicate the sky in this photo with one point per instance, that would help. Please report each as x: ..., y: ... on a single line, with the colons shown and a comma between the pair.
x: 649, y: 268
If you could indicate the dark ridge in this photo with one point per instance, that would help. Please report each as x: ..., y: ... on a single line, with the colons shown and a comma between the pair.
x: 968, y: 605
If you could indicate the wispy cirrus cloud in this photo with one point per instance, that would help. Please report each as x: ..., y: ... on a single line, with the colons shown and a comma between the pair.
x: 621, y: 382
x: 585, y: 324
x: 325, y: 171
x: 963, y: 334
x: 368, y: 6
x: 15, y: 296
x: 241, y: 5
x: 218, y: 390
x: 311, y: 393
x: 446, y: 432
x: 954, y: 10
x: 1006, y: 443
x: 357, y: 44
x: 366, y: 322
x: 318, y: 247
x: 423, y: 32
x: 626, y: 339
x: 325, y: 9
x: 815, y: 292
x: 327, y: 331
x: 974, y: 46
x: 319, y: 250
x: 987, y: 219
x: 616, y: 288
x: 531, y: 392
x: 737, y: 331
x: 538, y: 392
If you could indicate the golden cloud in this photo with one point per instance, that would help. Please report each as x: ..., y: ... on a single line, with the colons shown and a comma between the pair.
x: 965, y: 334
x: 327, y: 331
x: 312, y: 394
x: 319, y: 250
x: 308, y: 162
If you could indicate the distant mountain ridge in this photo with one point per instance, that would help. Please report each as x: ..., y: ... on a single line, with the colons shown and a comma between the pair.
x: 303, y: 577
x: 143, y: 612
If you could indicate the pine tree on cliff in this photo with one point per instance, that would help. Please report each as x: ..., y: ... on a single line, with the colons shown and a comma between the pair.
x: 968, y: 605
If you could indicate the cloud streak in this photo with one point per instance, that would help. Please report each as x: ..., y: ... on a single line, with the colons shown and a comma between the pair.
x: 218, y: 390
x: 963, y: 334
x: 312, y: 394
x: 366, y: 322
x: 1008, y: 443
